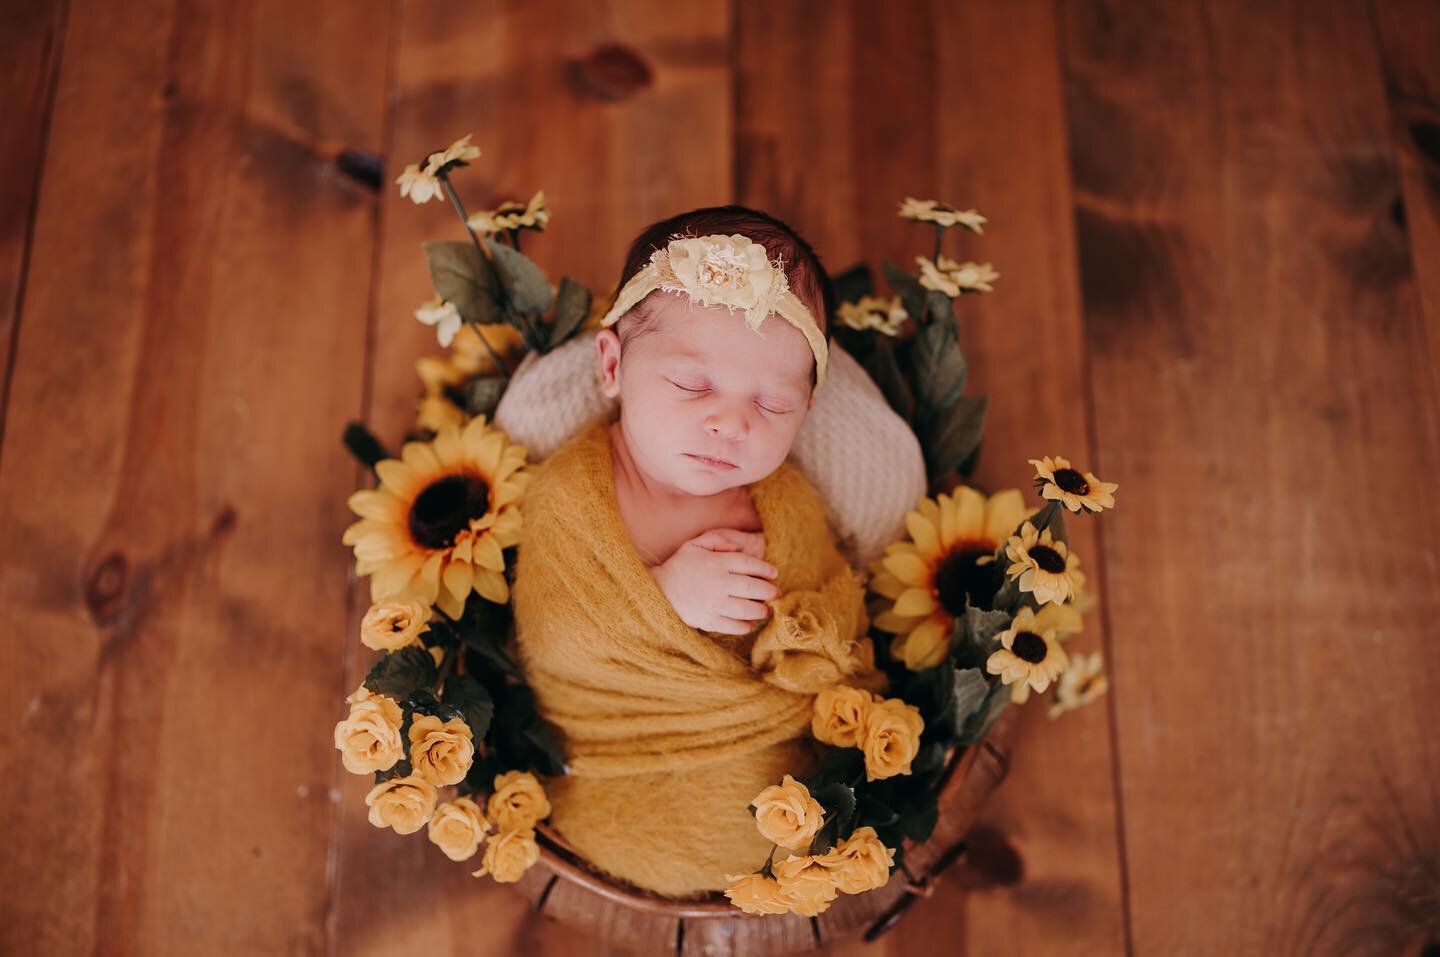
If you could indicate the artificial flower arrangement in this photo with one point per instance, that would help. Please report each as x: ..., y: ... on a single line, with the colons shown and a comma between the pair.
x: 969, y: 612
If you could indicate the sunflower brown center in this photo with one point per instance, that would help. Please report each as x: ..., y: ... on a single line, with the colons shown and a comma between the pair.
x: 959, y: 576
x: 445, y: 508
x: 1072, y: 481
x: 1047, y: 558
x: 1029, y: 646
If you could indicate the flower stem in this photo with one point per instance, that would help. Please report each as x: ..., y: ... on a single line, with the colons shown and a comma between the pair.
x: 939, y: 232
x: 765, y: 868
x: 1046, y: 517
x: 526, y: 332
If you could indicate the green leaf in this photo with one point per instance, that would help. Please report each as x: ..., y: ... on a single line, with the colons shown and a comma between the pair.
x: 572, y: 308
x: 363, y: 445
x: 907, y: 286
x: 854, y: 283
x: 982, y: 626
x: 980, y: 721
x: 466, y: 279
x: 838, y: 764
x: 399, y: 769
x: 953, y: 441
x: 880, y: 363
x: 874, y: 813
x: 838, y: 800
x: 938, y: 368
x: 525, y: 284
x: 940, y: 307
x: 918, y: 818
x: 483, y: 393
x: 401, y: 673
x: 469, y: 696
x: 971, y: 690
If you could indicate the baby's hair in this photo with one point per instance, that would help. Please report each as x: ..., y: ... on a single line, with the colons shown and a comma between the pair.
x: 803, y: 269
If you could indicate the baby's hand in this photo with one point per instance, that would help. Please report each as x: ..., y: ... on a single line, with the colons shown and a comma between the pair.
x: 717, y: 580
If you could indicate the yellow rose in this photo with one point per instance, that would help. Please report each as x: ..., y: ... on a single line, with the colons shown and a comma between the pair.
x: 839, y: 716
x: 806, y: 883
x: 508, y: 855
x: 787, y: 815
x: 861, y: 862
x: 369, y: 739
x: 391, y: 625
x: 457, y: 828
x: 404, y: 804
x: 518, y: 801
x: 440, y: 753
x: 892, y: 738
x: 756, y: 894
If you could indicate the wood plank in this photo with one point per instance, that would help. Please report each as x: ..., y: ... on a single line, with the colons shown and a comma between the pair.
x: 1261, y: 394
x: 30, y: 35
x: 168, y: 493
x: 516, y: 77
x: 854, y: 141
x: 1409, y: 38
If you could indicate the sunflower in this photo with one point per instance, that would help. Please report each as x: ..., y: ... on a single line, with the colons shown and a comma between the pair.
x: 512, y: 215
x: 1030, y: 656
x: 949, y: 557
x: 423, y: 185
x: 1082, y: 683
x: 1059, y: 482
x: 435, y: 527
x: 1044, y: 566
x: 930, y: 211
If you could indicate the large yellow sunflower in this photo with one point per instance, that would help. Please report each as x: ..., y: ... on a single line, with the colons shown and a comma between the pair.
x: 949, y: 555
x: 435, y: 526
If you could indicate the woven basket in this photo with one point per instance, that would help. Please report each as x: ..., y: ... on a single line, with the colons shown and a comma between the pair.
x: 563, y: 887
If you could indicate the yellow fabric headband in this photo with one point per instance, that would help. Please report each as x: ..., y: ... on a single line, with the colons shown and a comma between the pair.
x: 729, y: 270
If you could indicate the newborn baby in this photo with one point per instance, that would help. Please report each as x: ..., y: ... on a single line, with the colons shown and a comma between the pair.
x: 679, y: 594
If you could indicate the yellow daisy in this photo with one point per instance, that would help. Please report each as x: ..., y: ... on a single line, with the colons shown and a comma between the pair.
x: 930, y: 211
x: 458, y: 153
x: 423, y: 185
x: 1044, y: 566
x: 1082, y: 682
x: 1030, y: 657
x: 953, y: 278
x: 435, y: 526
x: 1058, y: 481
x: 443, y: 316
x: 949, y: 555
x: 871, y: 312
x: 512, y: 215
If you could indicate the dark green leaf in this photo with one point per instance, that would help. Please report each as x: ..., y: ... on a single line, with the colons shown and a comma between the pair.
x: 938, y: 368
x: 907, y: 286
x: 918, y: 819
x: 980, y: 721
x: 473, y: 701
x: 483, y: 393
x: 956, y: 437
x: 874, y: 813
x: 940, y: 307
x: 854, y: 283
x: 572, y: 308
x: 839, y: 764
x: 971, y: 691
x: 525, y: 284
x: 399, y: 769
x: 838, y: 800
x: 363, y: 445
x: 982, y: 626
x: 465, y: 278
x: 400, y: 673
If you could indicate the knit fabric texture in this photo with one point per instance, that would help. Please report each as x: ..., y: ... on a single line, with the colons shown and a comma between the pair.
x: 670, y: 731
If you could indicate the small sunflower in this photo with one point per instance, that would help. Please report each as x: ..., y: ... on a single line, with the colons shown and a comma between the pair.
x: 949, y: 557
x: 930, y: 211
x: 1030, y: 656
x: 1059, y: 482
x: 1044, y: 566
x: 512, y: 215
x: 435, y: 526
x: 871, y: 312
x: 1082, y: 683
x: 955, y: 278
x: 423, y: 185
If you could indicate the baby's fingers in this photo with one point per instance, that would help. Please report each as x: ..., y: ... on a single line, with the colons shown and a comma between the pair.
x: 744, y: 609
x: 729, y: 626
x: 741, y: 563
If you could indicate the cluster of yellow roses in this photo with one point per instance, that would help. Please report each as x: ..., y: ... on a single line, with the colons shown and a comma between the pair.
x: 806, y: 884
x: 887, y: 731
x: 441, y: 754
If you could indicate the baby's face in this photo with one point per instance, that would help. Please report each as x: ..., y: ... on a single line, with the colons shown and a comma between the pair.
x: 703, y: 383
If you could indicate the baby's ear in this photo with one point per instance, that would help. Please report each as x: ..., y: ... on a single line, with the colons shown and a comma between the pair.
x: 607, y: 350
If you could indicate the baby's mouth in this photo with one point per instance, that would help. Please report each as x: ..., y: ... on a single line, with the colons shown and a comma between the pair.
x: 712, y: 462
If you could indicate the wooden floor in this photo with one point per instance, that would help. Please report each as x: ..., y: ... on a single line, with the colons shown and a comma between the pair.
x: 1218, y: 230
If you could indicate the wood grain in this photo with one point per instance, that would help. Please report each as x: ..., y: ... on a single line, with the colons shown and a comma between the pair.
x: 167, y: 494
x: 30, y: 35
x: 1262, y: 393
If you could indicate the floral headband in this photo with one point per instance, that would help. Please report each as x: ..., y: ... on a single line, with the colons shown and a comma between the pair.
x: 724, y: 270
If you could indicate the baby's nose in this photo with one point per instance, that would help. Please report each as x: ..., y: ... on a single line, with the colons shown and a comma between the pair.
x: 728, y: 424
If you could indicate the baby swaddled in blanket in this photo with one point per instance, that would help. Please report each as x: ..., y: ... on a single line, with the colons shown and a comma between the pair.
x: 679, y: 595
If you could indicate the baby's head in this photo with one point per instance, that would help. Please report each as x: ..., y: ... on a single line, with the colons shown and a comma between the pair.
x: 697, y: 381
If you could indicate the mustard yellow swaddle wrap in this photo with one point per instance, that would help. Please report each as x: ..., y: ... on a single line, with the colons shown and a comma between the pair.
x: 670, y: 732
